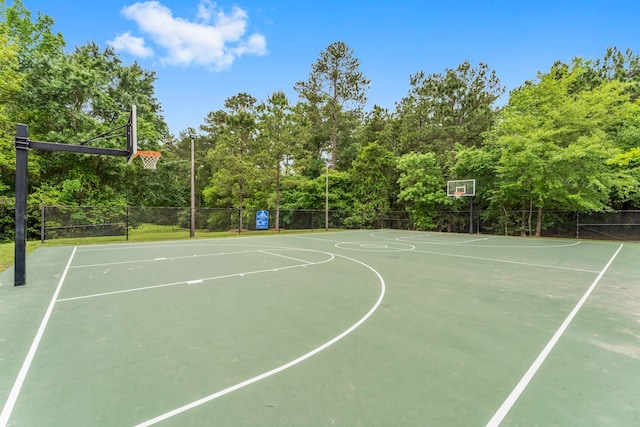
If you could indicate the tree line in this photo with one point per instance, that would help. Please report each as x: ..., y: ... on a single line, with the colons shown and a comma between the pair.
x: 568, y: 139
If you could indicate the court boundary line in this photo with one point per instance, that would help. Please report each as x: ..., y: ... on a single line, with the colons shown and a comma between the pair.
x: 506, y: 406
x: 26, y: 365
x: 287, y: 257
x: 205, y: 279
x: 224, y: 241
x: 281, y: 368
x: 170, y: 258
x: 336, y: 243
x: 414, y: 239
x: 528, y: 264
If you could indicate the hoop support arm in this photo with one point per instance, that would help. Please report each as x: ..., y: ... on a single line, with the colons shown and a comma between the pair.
x: 53, y: 146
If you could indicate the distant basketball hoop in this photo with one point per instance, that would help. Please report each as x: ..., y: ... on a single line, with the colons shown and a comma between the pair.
x: 149, y: 158
x: 463, y: 188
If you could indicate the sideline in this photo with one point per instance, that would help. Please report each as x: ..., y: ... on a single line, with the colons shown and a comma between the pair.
x: 17, y: 386
x: 517, y: 391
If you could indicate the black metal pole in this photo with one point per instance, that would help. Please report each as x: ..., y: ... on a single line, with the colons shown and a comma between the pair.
x: 22, y: 158
x: 192, y: 228
x: 42, y: 220
x: 471, y: 215
x: 326, y: 197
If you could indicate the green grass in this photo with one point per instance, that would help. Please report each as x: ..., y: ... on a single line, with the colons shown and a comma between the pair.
x: 7, y: 253
x: 145, y: 233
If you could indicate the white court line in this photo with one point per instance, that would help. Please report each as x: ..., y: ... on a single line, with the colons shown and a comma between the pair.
x: 318, y: 239
x: 279, y: 369
x: 517, y: 391
x: 17, y: 386
x: 184, y: 282
x: 164, y: 259
x: 568, y: 245
x: 477, y: 240
x: 419, y: 239
x: 463, y: 256
x: 224, y: 242
x: 528, y: 264
x: 287, y: 257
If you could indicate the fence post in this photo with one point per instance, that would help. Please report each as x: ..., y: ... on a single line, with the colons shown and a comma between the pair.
x: 126, y: 224
x: 42, y: 238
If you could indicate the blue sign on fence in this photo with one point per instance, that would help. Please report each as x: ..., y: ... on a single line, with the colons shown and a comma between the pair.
x: 262, y: 220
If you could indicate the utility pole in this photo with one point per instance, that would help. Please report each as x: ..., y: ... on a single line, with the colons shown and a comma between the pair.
x: 326, y: 196
x: 192, y: 231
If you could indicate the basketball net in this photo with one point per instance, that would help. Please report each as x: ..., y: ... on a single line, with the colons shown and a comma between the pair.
x: 458, y: 194
x: 149, y: 158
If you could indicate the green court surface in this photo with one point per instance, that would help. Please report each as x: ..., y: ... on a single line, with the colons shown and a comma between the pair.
x: 357, y: 328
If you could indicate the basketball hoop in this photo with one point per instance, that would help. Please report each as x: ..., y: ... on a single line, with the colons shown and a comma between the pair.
x: 149, y: 159
x: 458, y: 194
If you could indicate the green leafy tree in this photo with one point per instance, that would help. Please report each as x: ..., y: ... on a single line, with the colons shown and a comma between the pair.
x: 10, y: 85
x: 34, y: 37
x: 626, y: 193
x: 477, y: 163
x: 22, y: 40
x: 237, y: 152
x: 71, y: 98
x: 277, y: 142
x: 310, y: 193
x: 373, y: 176
x: 72, y: 104
x: 422, y: 186
x: 556, y: 137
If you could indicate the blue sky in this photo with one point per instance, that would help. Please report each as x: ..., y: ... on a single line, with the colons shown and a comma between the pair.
x: 204, y: 52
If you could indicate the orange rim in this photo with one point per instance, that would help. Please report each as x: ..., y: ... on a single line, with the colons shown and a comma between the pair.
x: 148, y: 154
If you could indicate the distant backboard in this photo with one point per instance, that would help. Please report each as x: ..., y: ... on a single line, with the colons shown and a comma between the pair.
x: 132, y: 136
x: 461, y: 188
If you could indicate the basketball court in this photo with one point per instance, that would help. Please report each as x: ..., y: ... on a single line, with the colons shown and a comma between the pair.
x: 354, y: 328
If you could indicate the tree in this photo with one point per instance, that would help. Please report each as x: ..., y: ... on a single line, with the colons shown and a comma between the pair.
x: 373, y: 175
x: 277, y: 141
x: 442, y: 110
x: 556, y: 139
x: 10, y: 86
x: 86, y: 93
x: 379, y: 126
x: 422, y: 186
x: 70, y: 98
x: 477, y: 163
x: 236, y: 152
x: 21, y: 40
x: 337, y: 87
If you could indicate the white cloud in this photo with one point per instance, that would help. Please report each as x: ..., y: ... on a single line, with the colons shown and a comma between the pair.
x: 130, y: 44
x: 216, y: 39
x: 205, y: 10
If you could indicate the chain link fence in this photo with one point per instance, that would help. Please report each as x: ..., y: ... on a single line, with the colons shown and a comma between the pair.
x: 90, y: 221
x: 54, y: 222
